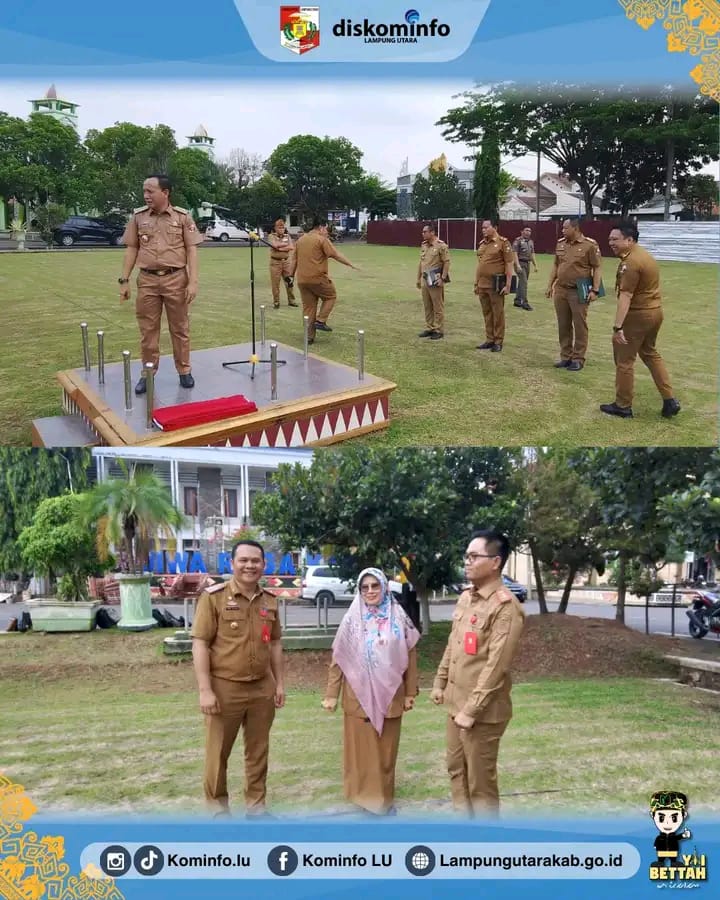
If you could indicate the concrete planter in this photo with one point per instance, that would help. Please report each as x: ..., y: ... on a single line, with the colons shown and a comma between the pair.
x: 135, y: 603
x: 59, y: 615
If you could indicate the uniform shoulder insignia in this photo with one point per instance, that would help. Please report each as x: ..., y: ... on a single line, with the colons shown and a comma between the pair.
x: 592, y: 240
x: 180, y: 210
x: 214, y: 588
x: 140, y: 209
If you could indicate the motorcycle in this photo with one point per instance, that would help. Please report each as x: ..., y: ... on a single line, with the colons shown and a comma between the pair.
x: 704, y: 614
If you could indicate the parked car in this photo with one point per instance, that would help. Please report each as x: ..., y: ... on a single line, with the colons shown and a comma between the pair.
x: 78, y: 229
x: 323, y: 584
x: 520, y: 592
x: 221, y: 230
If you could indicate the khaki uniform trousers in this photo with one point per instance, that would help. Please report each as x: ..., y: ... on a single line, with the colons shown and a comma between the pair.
x: 322, y: 292
x: 246, y: 705
x: 472, y: 755
x: 434, y: 303
x: 493, y: 309
x: 640, y: 328
x: 154, y: 292
x: 280, y: 268
x: 369, y: 761
x: 572, y: 324
x: 523, y: 278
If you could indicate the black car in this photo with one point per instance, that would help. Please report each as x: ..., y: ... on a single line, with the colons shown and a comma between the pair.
x: 85, y: 228
x: 520, y: 593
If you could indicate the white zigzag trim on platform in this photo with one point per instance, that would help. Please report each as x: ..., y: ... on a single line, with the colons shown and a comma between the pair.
x: 312, y: 434
x: 326, y: 431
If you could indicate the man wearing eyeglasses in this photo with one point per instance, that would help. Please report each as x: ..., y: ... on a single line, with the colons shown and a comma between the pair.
x: 473, y: 678
x: 237, y: 656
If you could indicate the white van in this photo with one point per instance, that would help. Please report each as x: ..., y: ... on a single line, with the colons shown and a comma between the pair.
x: 220, y: 230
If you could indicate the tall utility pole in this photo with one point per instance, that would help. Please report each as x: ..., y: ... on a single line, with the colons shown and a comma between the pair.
x: 537, y: 190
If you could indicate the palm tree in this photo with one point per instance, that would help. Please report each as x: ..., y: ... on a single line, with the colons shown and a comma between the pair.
x: 128, y: 512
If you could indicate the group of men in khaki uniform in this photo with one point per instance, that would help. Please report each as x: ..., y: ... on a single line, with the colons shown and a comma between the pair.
x: 577, y: 260
x: 237, y: 657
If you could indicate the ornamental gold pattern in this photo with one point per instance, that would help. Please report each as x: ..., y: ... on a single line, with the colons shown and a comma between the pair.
x: 31, y: 866
x: 693, y: 26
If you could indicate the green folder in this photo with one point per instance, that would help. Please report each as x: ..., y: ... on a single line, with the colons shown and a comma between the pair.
x: 583, y: 288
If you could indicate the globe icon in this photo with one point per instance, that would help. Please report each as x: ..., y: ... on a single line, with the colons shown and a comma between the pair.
x: 421, y: 860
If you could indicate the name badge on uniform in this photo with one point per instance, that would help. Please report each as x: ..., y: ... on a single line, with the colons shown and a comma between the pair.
x: 470, y: 643
x: 265, y: 633
x: 263, y: 613
x: 232, y: 605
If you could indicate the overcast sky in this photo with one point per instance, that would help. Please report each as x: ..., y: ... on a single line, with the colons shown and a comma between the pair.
x: 388, y: 122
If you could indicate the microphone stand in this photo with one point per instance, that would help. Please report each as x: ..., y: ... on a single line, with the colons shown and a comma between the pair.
x: 254, y: 359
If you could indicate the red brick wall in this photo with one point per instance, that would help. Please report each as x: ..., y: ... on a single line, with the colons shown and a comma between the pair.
x: 460, y: 234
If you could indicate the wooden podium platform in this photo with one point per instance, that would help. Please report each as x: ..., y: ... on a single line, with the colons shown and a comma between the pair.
x: 319, y: 402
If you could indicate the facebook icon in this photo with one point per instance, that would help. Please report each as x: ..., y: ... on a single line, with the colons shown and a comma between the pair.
x: 282, y: 860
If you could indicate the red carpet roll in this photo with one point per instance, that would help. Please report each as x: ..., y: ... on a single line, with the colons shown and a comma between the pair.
x: 172, y: 418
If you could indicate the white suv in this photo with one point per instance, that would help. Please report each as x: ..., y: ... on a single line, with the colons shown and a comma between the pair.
x: 220, y: 230
x: 322, y: 584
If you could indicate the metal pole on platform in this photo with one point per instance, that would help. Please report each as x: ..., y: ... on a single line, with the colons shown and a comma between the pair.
x: 126, y: 378
x: 86, y: 345
x: 306, y: 333
x: 150, y: 393
x: 101, y: 357
x: 273, y: 371
x: 262, y: 324
x: 361, y: 354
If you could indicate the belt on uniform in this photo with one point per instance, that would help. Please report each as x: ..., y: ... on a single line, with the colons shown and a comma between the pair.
x: 165, y: 271
x: 280, y: 257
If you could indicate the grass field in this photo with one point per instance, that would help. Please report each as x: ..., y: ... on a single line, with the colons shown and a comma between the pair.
x: 104, y: 722
x: 448, y: 392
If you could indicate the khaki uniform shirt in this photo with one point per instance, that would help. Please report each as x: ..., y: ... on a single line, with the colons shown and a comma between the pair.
x: 161, y: 238
x: 351, y: 704
x: 434, y: 256
x: 280, y: 247
x: 639, y: 274
x: 524, y: 247
x: 576, y: 259
x: 478, y: 684
x: 494, y: 257
x: 238, y: 630
x: 312, y: 252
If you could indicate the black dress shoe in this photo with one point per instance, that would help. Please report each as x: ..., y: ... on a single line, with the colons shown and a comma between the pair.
x: 436, y: 336
x: 527, y: 307
x: 517, y: 303
x: 670, y: 408
x: 488, y: 345
x: 496, y: 348
x: 292, y: 303
x: 562, y: 363
x: 612, y: 409
x: 426, y: 333
x: 141, y: 386
x: 187, y: 381
x: 321, y: 326
x: 574, y: 365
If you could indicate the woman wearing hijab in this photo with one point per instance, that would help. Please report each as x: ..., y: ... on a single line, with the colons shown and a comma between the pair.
x: 375, y: 663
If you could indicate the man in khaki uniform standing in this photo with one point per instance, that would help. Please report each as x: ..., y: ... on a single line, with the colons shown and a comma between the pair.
x: 524, y: 249
x: 312, y: 252
x: 576, y: 256
x: 162, y: 239
x: 237, y: 656
x: 638, y: 319
x: 473, y: 678
x: 431, y: 278
x: 281, y: 251
x: 494, y: 257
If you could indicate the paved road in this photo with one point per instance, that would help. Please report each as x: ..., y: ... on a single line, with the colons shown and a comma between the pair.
x: 660, y: 618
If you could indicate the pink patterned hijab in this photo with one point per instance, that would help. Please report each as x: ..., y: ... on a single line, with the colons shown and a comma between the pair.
x: 371, y: 648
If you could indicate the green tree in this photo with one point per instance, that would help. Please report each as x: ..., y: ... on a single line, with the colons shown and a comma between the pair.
x: 692, y: 512
x: 49, y: 217
x: 699, y: 193
x: 381, y: 507
x: 318, y: 174
x: 267, y: 200
x: 28, y: 476
x: 128, y: 513
x: 486, y: 182
x: 439, y: 196
x: 590, y: 133
x: 196, y: 178
x: 630, y: 484
x: 377, y: 197
x: 57, y: 542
